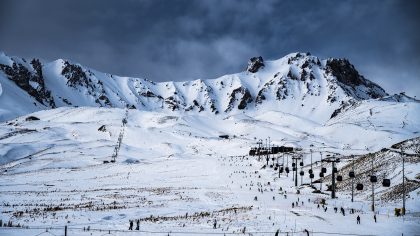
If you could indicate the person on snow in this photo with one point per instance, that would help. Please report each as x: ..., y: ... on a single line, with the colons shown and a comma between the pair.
x: 358, y: 219
x: 131, y: 225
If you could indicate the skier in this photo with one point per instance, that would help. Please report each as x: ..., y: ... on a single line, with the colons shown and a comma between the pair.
x: 374, y: 217
x: 293, y: 205
x: 335, y: 209
x: 358, y: 219
x: 214, y: 223
x: 137, y: 224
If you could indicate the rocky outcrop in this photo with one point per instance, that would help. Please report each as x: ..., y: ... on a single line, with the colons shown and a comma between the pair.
x: 75, y: 75
x: 243, y: 101
x: 255, y: 64
x: 350, y: 79
x: 30, y: 80
x: 344, y: 107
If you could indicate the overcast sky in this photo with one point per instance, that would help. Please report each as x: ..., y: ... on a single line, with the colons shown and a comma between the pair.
x: 184, y: 40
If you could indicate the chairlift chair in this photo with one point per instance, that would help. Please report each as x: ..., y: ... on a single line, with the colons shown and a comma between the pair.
x: 373, y: 179
x: 386, y: 182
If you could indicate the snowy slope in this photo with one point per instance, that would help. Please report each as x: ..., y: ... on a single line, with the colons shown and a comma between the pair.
x: 298, y: 83
x: 173, y: 164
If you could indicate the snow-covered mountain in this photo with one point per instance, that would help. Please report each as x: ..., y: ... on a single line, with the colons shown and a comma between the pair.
x: 173, y: 172
x: 298, y: 83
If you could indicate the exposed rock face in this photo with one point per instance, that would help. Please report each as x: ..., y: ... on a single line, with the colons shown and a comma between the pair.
x: 348, y: 76
x: 75, y: 75
x: 344, y: 71
x: 255, y: 64
x: 247, y: 98
x: 344, y: 106
x: 30, y: 81
x: 243, y: 101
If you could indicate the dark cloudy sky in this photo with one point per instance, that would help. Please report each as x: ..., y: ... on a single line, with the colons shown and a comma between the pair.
x: 183, y: 40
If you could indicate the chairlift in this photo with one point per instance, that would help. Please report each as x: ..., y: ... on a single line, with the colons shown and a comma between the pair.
x: 293, y: 164
x: 359, y: 186
x: 311, y: 171
x: 301, y: 173
x: 294, y: 168
x: 324, y: 170
x: 272, y: 158
x: 281, y: 169
x: 287, y: 170
x: 321, y: 174
x: 373, y: 179
x: 271, y: 166
x: 301, y: 163
x: 386, y: 182
x: 351, y: 174
x: 275, y: 168
x: 311, y: 176
x: 335, y: 170
x: 339, y: 178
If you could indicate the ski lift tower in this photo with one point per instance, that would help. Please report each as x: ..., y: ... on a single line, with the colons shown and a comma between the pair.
x: 333, y: 160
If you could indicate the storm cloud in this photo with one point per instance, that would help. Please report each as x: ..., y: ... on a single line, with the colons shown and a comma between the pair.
x: 183, y: 40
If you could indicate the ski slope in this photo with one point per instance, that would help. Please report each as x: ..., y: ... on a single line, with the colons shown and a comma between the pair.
x: 175, y: 174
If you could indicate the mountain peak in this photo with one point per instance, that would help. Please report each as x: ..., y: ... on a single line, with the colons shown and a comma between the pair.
x: 298, y: 83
